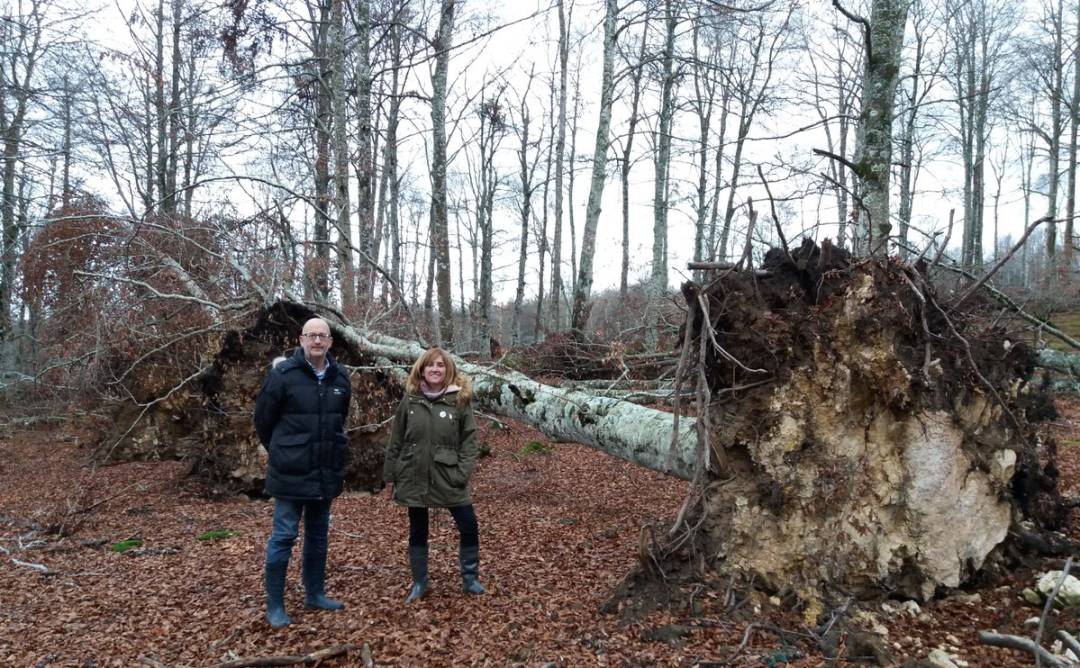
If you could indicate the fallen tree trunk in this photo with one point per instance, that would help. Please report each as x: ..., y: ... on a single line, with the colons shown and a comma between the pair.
x: 208, y: 421
x: 620, y: 428
x: 854, y: 434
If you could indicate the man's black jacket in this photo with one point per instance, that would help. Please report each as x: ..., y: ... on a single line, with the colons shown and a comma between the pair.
x: 302, y: 424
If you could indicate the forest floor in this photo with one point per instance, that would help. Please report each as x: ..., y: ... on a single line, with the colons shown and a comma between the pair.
x: 560, y: 529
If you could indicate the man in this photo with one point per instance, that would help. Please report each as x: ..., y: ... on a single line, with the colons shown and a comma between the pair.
x: 300, y: 417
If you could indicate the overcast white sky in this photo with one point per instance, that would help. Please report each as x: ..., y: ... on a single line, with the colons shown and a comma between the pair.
x: 520, y: 44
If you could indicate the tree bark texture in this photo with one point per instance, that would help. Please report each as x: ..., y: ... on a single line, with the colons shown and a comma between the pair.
x: 583, y: 285
x: 885, y: 39
x: 439, y: 224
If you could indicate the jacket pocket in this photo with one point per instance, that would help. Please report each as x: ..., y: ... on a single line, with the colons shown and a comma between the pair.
x: 404, y: 461
x: 291, y: 454
x: 447, y: 460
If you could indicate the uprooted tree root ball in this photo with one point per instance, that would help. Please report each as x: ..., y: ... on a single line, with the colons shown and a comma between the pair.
x: 208, y: 420
x: 864, y: 435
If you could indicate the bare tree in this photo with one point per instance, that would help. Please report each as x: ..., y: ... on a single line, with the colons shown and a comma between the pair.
x: 560, y: 162
x: 662, y: 162
x: 21, y: 41
x: 625, y: 163
x: 336, y: 49
x: 583, y: 285
x: 492, y: 130
x: 979, y: 32
x: 834, y: 77
x: 439, y: 231
x: 527, y: 174
x: 925, y: 70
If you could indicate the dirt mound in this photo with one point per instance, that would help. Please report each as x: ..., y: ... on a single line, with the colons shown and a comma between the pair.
x: 863, y: 435
x: 208, y: 420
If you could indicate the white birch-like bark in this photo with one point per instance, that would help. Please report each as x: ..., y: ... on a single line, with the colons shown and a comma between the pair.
x: 619, y: 428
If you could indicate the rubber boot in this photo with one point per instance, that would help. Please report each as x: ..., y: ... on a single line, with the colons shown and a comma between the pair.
x: 275, y: 594
x: 418, y: 555
x: 469, y: 558
x: 314, y: 576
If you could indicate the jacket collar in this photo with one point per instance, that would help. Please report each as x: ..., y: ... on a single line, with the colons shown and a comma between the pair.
x: 447, y: 397
x: 298, y: 361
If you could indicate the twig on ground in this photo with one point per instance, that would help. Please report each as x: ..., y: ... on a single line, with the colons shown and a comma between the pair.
x: 290, y: 660
x: 82, y: 511
x: 41, y: 568
x: 782, y: 633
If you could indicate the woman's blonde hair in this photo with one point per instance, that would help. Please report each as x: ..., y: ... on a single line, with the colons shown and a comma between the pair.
x: 453, y: 376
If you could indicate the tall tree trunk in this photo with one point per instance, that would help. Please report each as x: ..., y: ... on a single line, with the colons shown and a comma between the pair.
x: 65, y: 181
x: 191, y: 123
x: 1068, y: 242
x: 978, y: 176
x: 527, y: 171
x: 346, y: 278
x: 583, y: 285
x: 719, y: 252
x: 907, y: 145
x: 161, y: 161
x: 572, y: 173
x: 658, y: 278
x: 365, y: 161
x: 886, y: 37
x: 320, y: 275
x: 560, y: 156
x: 627, y: 155
x: 1027, y: 163
x: 15, y: 93
x: 1053, y: 174
x: 703, y: 105
x: 439, y: 231
x: 172, y: 165
x: 492, y: 124
x: 542, y: 238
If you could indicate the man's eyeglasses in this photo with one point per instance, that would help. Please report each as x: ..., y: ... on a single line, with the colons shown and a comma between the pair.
x: 317, y: 336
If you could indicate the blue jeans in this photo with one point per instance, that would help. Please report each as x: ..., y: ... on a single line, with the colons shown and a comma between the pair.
x: 287, y: 515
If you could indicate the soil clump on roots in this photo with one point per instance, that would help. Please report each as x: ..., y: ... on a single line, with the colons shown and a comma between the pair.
x: 207, y: 421
x: 861, y: 434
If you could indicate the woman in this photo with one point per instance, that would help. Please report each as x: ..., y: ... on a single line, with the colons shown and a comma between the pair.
x: 429, y: 460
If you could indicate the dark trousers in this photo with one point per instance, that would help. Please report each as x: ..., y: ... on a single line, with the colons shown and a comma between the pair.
x: 464, y: 517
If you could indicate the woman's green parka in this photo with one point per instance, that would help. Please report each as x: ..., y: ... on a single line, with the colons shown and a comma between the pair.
x: 432, y: 451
